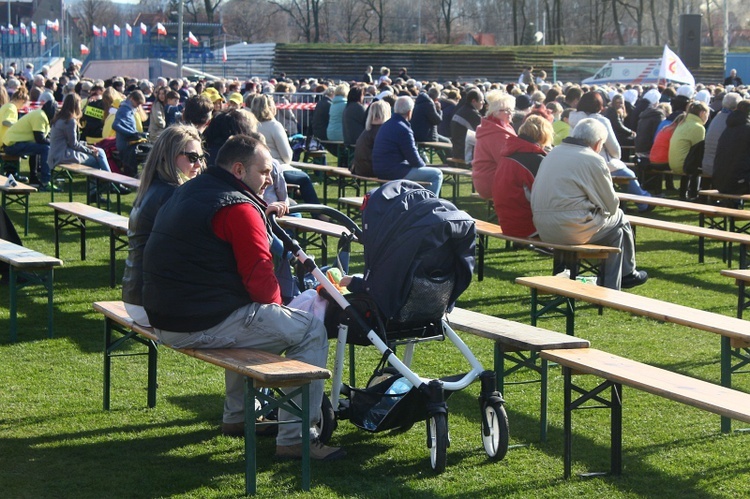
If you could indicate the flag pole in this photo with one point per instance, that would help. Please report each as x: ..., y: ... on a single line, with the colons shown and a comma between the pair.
x: 180, y: 33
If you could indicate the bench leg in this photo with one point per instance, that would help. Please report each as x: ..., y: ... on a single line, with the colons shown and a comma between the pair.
x: 615, y: 406
x: 285, y: 401
x: 482, y: 243
x: 48, y: 282
x: 111, y: 346
x: 13, y: 304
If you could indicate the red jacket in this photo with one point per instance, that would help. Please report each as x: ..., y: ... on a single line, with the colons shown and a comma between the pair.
x: 511, y: 188
x: 491, y: 147
x: 660, y: 150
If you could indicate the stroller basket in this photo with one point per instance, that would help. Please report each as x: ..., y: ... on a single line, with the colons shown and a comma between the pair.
x: 428, y: 298
x: 380, y: 408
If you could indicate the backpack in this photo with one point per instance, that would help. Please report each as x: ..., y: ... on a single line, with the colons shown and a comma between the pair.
x: 694, y: 158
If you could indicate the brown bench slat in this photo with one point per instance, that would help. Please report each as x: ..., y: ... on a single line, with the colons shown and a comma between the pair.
x: 619, y: 371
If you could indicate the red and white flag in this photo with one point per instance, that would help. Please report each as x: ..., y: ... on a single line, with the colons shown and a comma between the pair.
x: 672, y: 68
x: 116, y: 29
x: 24, y: 31
x: 224, y: 54
x: 33, y: 28
x: 144, y: 29
x: 97, y: 31
x: 11, y: 29
x: 84, y: 50
x: 192, y: 40
x: 104, y: 31
x: 160, y: 29
x: 53, y: 25
x: 42, y: 39
x: 128, y: 30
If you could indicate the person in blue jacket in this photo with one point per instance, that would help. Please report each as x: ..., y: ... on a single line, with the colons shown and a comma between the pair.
x: 395, y: 155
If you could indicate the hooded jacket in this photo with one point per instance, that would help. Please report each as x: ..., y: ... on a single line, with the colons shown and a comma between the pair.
x: 732, y: 163
x: 511, y: 190
x: 491, y: 147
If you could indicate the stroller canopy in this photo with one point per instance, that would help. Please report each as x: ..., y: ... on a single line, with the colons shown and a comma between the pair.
x: 409, y: 233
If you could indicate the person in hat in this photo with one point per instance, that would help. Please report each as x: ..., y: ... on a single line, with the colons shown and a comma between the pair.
x: 235, y: 101
x: 216, y: 99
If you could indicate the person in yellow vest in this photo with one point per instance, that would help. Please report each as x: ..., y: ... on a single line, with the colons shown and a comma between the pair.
x: 29, y: 135
x: 9, y: 111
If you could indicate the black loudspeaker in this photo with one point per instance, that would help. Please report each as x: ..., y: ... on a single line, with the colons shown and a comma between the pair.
x: 690, y: 39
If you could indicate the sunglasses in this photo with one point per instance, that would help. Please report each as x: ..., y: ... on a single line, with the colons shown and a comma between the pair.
x: 193, y: 157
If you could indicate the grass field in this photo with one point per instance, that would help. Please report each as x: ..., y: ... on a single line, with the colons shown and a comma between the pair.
x: 57, y: 442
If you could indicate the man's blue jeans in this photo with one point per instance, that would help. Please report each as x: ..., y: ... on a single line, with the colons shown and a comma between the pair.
x: 32, y: 148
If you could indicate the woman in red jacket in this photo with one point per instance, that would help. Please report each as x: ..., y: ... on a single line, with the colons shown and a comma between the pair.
x: 514, y: 177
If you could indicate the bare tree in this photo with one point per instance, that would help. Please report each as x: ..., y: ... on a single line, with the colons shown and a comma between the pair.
x: 447, y: 16
x: 378, y: 8
x: 254, y: 21
x: 305, y: 14
x: 93, y: 12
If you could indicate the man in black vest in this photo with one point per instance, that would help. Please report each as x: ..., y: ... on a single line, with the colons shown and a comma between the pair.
x: 209, y: 281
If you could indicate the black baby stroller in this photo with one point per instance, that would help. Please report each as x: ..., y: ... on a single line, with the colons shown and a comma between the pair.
x: 419, y: 257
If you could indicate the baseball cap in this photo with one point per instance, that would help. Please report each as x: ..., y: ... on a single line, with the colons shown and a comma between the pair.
x: 236, y: 97
x: 213, y: 94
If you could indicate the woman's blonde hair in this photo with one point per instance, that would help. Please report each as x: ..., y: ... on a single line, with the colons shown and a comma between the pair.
x: 161, y: 160
x: 538, y: 129
x: 263, y: 107
x: 497, y: 101
x: 379, y: 111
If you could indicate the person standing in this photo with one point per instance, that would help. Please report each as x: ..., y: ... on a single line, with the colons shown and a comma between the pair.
x: 209, y: 282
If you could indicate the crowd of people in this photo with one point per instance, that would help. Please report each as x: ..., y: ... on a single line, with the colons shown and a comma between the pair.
x: 220, y: 153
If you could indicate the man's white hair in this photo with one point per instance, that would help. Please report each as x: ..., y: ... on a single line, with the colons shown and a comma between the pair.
x: 730, y: 100
x: 590, y: 131
x: 403, y: 105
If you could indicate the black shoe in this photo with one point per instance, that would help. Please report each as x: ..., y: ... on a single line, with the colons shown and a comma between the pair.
x: 637, y: 278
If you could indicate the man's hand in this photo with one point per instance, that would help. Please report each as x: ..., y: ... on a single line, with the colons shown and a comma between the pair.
x: 277, y: 207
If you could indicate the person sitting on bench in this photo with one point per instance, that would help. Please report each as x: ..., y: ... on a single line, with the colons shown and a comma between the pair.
x: 573, y: 202
x: 208, y: 282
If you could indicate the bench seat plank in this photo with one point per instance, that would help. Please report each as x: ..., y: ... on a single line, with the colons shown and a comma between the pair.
x: 17, y: 194
x: 670, y: 385
x: 514, y: 334
x: 618, y: 371
x: 24, y: 258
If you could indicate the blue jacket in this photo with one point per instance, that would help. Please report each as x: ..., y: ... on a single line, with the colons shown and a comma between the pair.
x: 335, y: 130
x: 395, y: 151
x: 124, y: 125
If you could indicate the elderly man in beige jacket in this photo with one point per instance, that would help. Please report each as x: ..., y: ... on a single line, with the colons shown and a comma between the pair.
x: 573, y: 202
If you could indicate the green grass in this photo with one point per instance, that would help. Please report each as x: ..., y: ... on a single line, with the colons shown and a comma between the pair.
x: 56, y: 441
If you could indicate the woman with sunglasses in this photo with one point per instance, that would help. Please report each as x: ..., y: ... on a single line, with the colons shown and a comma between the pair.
x: 177, y: 156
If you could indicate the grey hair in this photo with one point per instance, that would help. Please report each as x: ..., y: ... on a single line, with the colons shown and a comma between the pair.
x: 731, y: 100
x: 403, y: 105
x: 590, y: 131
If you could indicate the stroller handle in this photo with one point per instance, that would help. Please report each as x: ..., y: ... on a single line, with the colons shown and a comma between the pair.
x: 335, y: 215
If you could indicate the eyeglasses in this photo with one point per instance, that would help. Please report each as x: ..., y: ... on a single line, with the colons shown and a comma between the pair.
x: 194, y: 157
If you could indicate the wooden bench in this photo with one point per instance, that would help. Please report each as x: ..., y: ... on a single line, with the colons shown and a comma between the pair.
x: 432, y: 148
x: 103, y: 182
x: 578, y: 258
x: 741, y: 277
x: 518, y: 344
x: 261, y: 370
x: 16, y: 194
x: 738, y: 199
x: 718, y: 216
x: 618, y: 371
x: 735, y: 333
x: 452, y: 175
x: 703, y: 233
x: 77, y: 214
x: 28, y: 267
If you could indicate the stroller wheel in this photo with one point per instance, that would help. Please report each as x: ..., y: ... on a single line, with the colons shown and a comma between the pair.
x: 437, y: 440
x: 327, y: 423
x: 495, y: 430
